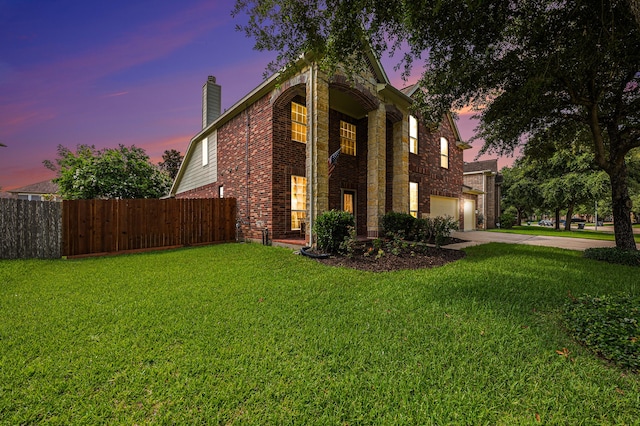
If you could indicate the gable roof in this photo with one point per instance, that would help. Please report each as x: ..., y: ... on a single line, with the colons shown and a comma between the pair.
x: 44, y: 187
x: 373, y: 63
x: 411, y: 90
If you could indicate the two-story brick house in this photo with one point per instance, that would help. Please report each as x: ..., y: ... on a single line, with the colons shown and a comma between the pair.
x: 271, y: 151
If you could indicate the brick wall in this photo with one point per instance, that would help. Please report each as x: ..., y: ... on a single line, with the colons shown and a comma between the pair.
x: 289, y: 159
x: 424, y: 168
x: 244, y: 167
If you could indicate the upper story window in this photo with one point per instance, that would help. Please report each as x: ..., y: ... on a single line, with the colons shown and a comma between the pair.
x: 444, y: 153
x: 205, y: 151
x: 413, y: 135
x: 298, y: 122
x: 413, y: 199
x: 347, y: 138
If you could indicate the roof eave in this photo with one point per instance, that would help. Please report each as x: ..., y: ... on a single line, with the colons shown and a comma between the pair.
x: 237, y: 108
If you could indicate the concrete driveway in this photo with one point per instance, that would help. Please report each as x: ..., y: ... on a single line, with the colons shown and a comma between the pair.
x: 474, y: 238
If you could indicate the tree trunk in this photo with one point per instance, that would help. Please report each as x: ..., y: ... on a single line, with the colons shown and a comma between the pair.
x: 621, y: 205
x: 519, y: 220
x: 557, y: 219
x: 567, y: 223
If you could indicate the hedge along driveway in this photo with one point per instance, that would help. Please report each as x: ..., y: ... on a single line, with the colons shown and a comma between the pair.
x: 254, y: 335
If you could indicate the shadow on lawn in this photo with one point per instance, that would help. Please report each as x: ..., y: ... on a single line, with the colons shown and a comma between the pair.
x: 527, y: 278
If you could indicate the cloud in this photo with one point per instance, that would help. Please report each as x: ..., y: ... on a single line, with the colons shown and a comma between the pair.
x: 30, y: 92
x: 113, y: 95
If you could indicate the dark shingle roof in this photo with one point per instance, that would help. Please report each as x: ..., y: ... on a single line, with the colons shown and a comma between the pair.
x: 480, y: 166
x: 44, y: 187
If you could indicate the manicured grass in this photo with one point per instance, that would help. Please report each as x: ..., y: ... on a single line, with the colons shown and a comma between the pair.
x: 574, y: 233
x: 246, y: 334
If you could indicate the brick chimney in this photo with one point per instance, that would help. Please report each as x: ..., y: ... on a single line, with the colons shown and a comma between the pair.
x: 211, y: 101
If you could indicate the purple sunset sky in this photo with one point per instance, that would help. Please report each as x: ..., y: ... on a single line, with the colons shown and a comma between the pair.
x: 121, y: 72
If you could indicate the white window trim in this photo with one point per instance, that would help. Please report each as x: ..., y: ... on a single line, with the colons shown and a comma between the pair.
x: 414, y: 212
x: 413, y: 138
x: 205, y: 152
x: 444, y: 152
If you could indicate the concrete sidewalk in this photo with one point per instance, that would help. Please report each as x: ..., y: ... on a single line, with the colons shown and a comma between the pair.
x: 475, y: 238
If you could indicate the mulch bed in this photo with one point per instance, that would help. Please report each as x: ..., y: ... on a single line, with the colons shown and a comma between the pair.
x: 414, y: 256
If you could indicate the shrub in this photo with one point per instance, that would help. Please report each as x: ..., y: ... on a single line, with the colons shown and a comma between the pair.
x: 332, y: 228
x: 608, y: 325
x: 401, y: 224
x: 507, y: 220
x: 614, y: 255
x: 350, y: 243
x: 442, y: 228
x: 423, y: 230
x: 429, y: 230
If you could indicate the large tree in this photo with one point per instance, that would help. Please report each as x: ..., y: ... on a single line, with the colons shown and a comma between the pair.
x: 123, y: 172
x: 527, y: 65
x: 520, y: 189
x: 171, y: 161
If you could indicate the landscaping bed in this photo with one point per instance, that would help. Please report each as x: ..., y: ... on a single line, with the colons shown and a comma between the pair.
x: 393, y: 256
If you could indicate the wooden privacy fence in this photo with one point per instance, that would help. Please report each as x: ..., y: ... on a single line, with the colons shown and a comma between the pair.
x: 30, y: 229
x: 102, y: 226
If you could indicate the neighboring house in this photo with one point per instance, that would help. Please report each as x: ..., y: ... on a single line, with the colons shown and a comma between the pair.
x: 483, y: 177
x: 41, y: 191
x: 273, y: 152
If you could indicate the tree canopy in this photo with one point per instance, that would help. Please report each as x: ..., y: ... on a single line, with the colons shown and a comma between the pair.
x: 171, y: 161
x: 123, y: 172
x: 527, y: 66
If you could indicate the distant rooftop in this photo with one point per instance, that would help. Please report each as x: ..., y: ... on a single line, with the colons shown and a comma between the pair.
x: 481, y: 166
x: 44, y: 187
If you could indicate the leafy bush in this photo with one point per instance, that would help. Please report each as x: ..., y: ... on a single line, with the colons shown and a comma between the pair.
x: 402, y: 224
x: 507, y: 220
x: 350, y: 243
x: 442, y: 228
x: 423, y: 230
x: 608, y: 325
x: 332, y: 228
x: 614, y: 255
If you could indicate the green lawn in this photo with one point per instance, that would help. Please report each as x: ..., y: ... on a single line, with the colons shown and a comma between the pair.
x: 246, y: 334
x: 603, y: 233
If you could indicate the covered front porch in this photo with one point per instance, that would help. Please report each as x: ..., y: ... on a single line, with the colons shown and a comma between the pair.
x: 367, y: 122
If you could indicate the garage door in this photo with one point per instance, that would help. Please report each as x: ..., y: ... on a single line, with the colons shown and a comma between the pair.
x: 443, y: 206
x: 469, y: 215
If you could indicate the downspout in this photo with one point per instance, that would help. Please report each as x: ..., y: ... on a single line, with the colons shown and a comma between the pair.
x: 484, y: 202
x: 312, y: 164
x: 246, y: 151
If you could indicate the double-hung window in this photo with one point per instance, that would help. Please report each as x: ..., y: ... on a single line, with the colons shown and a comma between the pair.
x: 298, y: 122
x: 298, y: 201
x: 413, y: 199
x: 444, y: 153
x: 413, y: 135
x: 347, y: 138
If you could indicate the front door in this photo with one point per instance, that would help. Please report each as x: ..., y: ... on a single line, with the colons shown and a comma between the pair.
x: 349, y: 201
x: 469, y: 215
